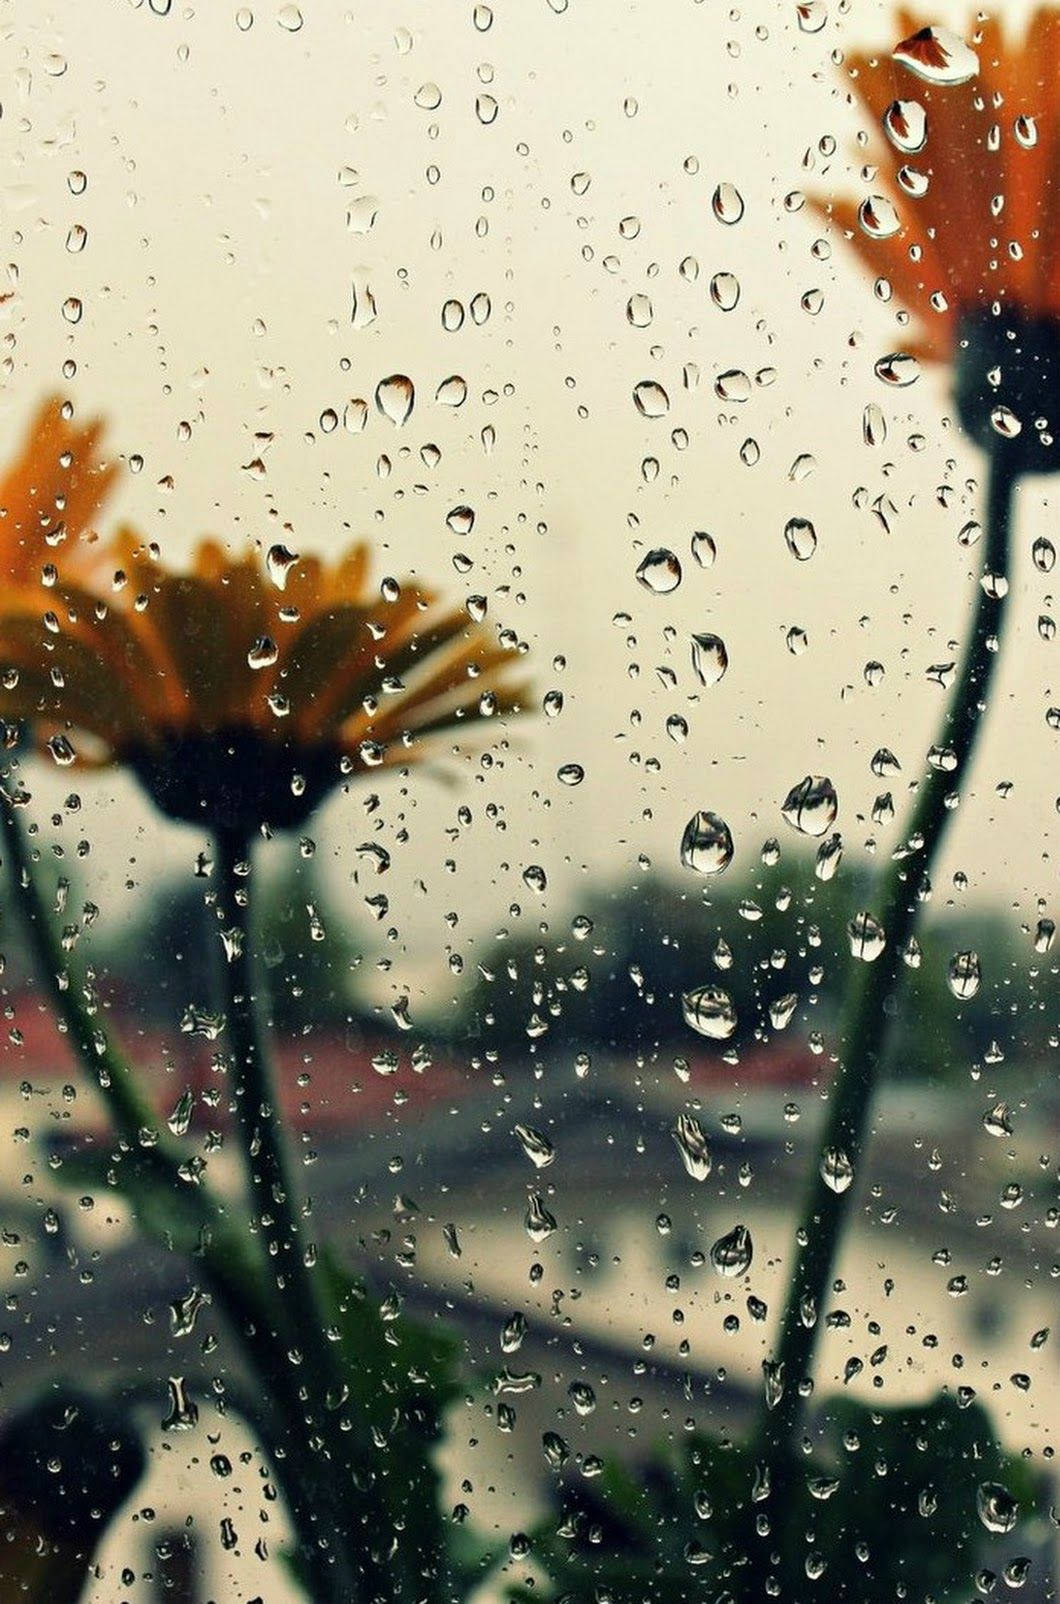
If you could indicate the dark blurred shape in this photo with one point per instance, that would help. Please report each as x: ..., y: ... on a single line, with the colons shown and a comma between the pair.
x: 68, y: 1461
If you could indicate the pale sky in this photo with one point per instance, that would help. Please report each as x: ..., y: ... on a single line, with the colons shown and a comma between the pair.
x: 224, y: 166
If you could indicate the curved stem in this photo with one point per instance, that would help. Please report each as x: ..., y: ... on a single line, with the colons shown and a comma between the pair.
x: 131, y: 1112
x: 230, y: 1271
x: 867, y: 1023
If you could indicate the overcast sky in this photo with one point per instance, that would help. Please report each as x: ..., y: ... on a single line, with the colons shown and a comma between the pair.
x: 251, y: 189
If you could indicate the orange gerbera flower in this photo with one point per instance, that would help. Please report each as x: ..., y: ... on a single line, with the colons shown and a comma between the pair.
x: 963, y: 222
x: 240, y: 693
x: 50, y: 495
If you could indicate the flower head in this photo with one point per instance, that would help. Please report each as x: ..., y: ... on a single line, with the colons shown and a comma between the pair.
x: 51, y: 493
x: 962, y: 223
x: 241, y: 692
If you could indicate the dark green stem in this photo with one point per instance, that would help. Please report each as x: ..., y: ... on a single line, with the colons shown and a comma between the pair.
x: 868, y: 1017
x: 233, y: 1276
x: 298, y: 1306
x: 133, y: 1116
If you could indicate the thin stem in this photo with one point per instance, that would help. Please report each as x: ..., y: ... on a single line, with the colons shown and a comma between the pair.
x: 298, y: 1309
x: 868, y: 1018
x: 231, y: 1273
x: 129, y: 1109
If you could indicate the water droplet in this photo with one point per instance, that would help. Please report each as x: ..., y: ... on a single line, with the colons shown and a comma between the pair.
x: 1026, y: 132
x: 582, y: 1397
x: 878, y: 217
x: 812, y: 806
x: 867, y: 937
x: 732, y: 1253
x: 725, y: 291
x: 709, y: 1011
x: 706, y: 844
x: 650, y: 399
x: 264, y: 652
x: 535, y: 878
x: 539, y: 1222
x: 570, y: 774
x: 964, y: 974
x: 898, y: 369
x: 183, y: 1411
x: 1005, y: 422
x: 452, y: 392
x: 512, y: 1333
x: 486, y: 109
x: 290, y: 18
x: 812, y: 15
x: 829, y: 856
x: 428, y: 97
x: 727, y: 204
x: 660, y: 571
x: 998, y: 1120
x: 179, y: 1121
x: 733, y: 386
x: 997, y: 1508
x: 796, y: 640
x: 278, y: 562
x: 782, y: 1010
x: 873, y: 425
x: 801, y: 538
x: 452, y: 316
x: 938, y: 57
x: 837, y: 1171
x: 692, y: 1146
x: 537, y: 1147
x: 395, y: 397
x: 639, y: 311
x: 905, y: 123
x: 710, y: 659
x: 62, y: 750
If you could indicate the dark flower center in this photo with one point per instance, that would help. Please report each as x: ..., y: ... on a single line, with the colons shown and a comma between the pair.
x: 235, y: 779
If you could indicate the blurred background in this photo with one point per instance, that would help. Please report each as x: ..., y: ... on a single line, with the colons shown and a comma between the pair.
x: 223, y: 227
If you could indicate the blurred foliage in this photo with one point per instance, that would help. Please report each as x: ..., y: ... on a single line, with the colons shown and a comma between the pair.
x: 885, y: 1507
x: 634, y: 948
x: 169, y: 953
x: 400, y: 1376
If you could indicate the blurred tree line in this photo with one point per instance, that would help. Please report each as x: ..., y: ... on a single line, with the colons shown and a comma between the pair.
x: 776, y: 941
x: 611, y: 980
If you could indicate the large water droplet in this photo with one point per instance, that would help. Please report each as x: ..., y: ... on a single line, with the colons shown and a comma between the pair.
x: 997, y: 1508
x: 395, y: 398
x: 537, y: 1147
x: 898, y: 368
x: 964, y: 974
x: 539, y: 1222
x: 938, y: 57
x: 706, y: 845
x: 812, y: 806
x: 905, y: 123
x: 801, y: 538
x: 710, y: 659
x: 710, y: 1012
x: 660, y: 571
x: 837, y: 1171
x: 867, y: 937
x: 878, y: 217
x: 727, y: 204
x: 650, y: 399
x: 452, y: 392
x: 692, y: 1146
x: 725, y: 291
x: 732, y: 1253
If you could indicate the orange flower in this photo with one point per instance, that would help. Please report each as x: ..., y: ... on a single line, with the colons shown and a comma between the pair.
x: 51, y: 494
x: 241, y: 693
x: 969, y: 170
